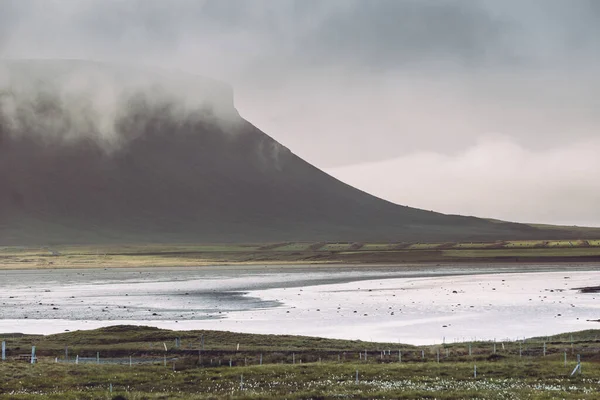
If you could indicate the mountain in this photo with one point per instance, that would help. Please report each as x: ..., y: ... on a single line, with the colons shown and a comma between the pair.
x: 95, y: 153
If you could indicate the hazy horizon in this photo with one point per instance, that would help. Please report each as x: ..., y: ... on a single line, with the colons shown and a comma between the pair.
x: 474, y: 108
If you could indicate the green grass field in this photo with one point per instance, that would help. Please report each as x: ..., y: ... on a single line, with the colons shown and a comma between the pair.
x: 336, y: 247
x: 563, y: 243
x: 295, y: 367
x: 472, y: 245
x: 378, y: 246
x: 523, y: 244
x: 524, y: 252
x: 423, y: 246
x: 183, y: 255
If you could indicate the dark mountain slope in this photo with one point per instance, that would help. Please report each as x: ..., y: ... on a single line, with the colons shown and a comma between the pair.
x: 162, y: 159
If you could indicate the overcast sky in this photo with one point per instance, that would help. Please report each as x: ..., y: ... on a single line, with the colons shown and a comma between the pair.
x: 478, y: 107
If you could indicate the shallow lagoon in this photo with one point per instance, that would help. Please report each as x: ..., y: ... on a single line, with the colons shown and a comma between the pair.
x: 408, y: 304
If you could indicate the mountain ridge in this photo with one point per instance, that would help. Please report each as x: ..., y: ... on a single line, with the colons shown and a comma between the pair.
x: 108, y: 159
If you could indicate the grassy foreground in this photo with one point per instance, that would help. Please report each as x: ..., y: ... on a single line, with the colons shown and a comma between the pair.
x: 293, y: 367
x: 148, y: 255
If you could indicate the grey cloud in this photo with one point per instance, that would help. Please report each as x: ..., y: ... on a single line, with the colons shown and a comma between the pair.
x: 9, y: 18
x: 297, y: 34
x: 388, y: 33
x: 344, y: 82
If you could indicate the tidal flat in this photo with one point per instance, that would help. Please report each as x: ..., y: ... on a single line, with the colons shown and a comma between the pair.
x: 399, y: 304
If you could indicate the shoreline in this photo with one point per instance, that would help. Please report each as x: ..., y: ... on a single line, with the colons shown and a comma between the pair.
x: 329, y: 301
x: 256, y: 265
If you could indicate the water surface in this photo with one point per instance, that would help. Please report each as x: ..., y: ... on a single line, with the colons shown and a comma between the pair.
x: 405, y: 304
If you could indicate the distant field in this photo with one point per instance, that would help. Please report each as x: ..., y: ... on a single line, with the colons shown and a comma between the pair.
x: 472, y: 245
x: 563, y: 243
x: 377, y: 246
x: 148, y: 255
x: 294, y: 247
x: 423, y: 246
x: 526, y: 252
x: 336, y: 247
x: 523, y: 244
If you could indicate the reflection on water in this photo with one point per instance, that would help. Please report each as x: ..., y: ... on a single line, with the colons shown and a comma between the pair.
x: 397, y: 304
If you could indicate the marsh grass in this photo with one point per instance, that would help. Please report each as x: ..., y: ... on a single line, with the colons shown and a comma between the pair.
x: 323, y: 369
x: 447, y: 380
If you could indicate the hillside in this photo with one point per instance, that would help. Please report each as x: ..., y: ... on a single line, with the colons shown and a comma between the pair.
x: 91, y: 153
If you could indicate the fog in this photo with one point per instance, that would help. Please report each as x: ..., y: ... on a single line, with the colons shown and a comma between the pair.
x: 483, y: 108
x: 69, y: 100
x: 495, y: 177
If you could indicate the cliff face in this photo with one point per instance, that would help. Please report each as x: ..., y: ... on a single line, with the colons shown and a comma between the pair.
x: 95, y: 153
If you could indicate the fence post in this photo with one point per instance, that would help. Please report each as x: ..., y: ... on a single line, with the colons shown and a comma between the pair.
x: 475, y: 371
x: 565, y: 358
x: 33, y: 354
x: 356, y: 377
x: 77, y: 359
x: 260, y: 358
x: 3, y: 350
x: 520, y: 349
x: 293, y: 358
x: 422, y: 354
x: 67, y: 353
x: 399, y: 356
x: 544, y: 349
x: 572, y: 348
x: 577, y: 367
x: 97, y: 357
x: 130, y: 363
x: 241, y: 382
x: 470, y: 350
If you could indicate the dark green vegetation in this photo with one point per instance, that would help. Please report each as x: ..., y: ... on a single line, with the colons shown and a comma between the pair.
x: 544, y: 251
x: 163, y: 169
x: 294, y: 367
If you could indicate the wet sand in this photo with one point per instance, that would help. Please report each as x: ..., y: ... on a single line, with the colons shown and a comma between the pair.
x: 411, y: 304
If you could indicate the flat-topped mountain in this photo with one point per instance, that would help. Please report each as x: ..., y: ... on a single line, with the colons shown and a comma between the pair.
x: 98, y: 153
